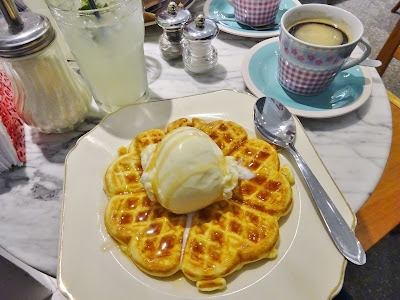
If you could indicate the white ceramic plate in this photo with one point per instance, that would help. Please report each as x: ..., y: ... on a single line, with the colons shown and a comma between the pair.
x: 91, y: 266
x: 221, y: 9
x: 259, y: 71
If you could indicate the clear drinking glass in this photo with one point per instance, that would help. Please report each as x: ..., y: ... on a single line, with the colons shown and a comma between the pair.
x: 107, y: 44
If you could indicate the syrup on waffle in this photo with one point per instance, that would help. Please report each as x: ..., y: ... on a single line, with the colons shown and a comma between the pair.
x: 195, y: 122
x: 123, y: 175
x: 223, y: 236
x: 226, y: 134
x: 256, y: 155
x: 269, y: 192
x: 139, y: 143
x: 149, y: 234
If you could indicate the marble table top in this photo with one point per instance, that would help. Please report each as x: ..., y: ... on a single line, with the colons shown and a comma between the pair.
x: 353, y: 147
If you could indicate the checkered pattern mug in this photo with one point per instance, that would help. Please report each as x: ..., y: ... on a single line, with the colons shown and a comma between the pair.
x: 256, y: 12
x: 307, y: 69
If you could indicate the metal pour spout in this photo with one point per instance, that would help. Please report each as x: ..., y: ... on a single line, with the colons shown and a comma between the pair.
x: 11, y: 15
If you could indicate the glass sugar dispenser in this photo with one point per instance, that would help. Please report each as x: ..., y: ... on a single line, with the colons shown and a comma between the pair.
x: 171, y: 20
x: 49, y: 95
x: 199, y: 56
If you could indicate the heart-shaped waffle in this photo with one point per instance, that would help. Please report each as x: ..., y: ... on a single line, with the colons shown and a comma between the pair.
x: 139, y: 143
x: 225, y: 236
x: 148, y: 233
x: 123, y: 175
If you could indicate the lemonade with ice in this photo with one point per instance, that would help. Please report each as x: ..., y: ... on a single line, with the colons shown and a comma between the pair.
x: 108, y: 47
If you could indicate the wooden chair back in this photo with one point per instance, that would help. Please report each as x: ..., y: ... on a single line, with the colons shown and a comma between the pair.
x: 396, y: 7
x: 390, y: 49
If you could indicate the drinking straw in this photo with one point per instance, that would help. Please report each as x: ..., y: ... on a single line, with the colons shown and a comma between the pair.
x: 93, y: 6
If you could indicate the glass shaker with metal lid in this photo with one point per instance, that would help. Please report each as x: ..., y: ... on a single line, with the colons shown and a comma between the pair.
x: 171, y: 21
x: 199, y: 56
x: 49, y: 95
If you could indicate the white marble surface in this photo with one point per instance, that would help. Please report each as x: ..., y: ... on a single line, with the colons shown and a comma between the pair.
x: 353, y: 147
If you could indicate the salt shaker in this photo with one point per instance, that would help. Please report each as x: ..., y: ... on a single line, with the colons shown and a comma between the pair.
x: 199, y: 56
x: 49, y: 95
x: 171, y: 21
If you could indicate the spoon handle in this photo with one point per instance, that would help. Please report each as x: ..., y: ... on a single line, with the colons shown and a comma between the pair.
x: 340, y: 232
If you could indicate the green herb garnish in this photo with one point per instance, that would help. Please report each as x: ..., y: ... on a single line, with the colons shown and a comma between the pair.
x: 86, y: 5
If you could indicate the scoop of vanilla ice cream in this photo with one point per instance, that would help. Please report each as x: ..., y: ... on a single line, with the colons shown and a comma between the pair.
x: 187, y: 171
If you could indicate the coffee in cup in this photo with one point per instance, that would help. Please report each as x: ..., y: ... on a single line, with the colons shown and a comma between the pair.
x: 319, y: 32
x: 308, y: 62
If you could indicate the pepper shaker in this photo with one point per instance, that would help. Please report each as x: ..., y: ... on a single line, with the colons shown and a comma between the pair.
x: 171, y: 21
x: 49, y: 95
x: 199, y: 56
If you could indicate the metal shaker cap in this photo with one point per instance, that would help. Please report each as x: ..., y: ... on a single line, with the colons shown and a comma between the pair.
x: 173, y: 16
x: 34, y: 34
x: 200, y: 29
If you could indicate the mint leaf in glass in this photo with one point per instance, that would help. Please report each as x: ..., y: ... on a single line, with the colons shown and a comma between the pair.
x: 86, y: 5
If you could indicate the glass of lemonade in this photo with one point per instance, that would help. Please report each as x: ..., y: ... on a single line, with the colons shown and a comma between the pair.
x: 107, y: 44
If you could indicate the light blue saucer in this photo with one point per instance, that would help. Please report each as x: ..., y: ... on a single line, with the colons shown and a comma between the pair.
x: 349, y: 90
x: 222, y: 9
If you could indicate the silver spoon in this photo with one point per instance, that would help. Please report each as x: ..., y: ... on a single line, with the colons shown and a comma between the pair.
x: 260, y: 28
x: 276, y: 124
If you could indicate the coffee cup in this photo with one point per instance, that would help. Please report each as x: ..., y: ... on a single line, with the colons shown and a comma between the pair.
x: 255, y: 12
x: 307, y: 64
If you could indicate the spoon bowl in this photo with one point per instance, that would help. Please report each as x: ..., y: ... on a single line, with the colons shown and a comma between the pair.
x: 276, y: 124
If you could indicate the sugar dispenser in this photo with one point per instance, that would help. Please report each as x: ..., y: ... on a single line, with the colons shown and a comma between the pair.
x: 49, y: 95
x: 171, y: 21
x: 199, y: 56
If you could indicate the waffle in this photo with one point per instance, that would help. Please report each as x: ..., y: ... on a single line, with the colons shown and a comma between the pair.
x: 195, y: 122
x: 223, y: 236
x: 139, y: 143
x: 149, y: 234
x: 226, y: 134
x: 123, y: 175
x: 257, y: 155
x: 269, y: 192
